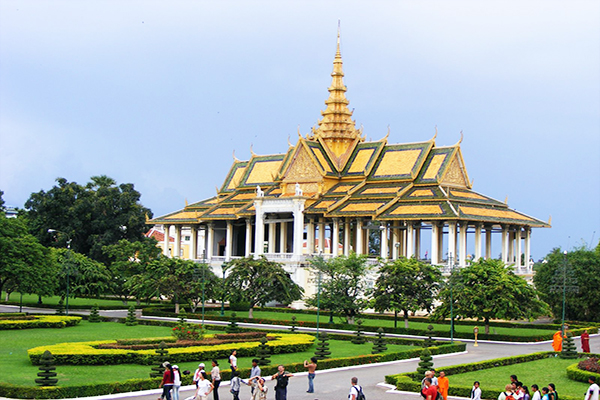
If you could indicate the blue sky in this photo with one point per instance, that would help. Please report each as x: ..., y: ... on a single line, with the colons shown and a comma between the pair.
x: 159, y: 93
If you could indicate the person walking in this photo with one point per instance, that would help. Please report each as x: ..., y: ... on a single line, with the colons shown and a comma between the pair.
x: 553, y: 394
x: 443, y: 385
x: 233, y: 360
x: 593, y: 390
x: 536, y: 392
x: 525, y: 392
x: 585, y: 342
x: 429, y: 392
x: 476, y: 391
x: 176, y: 382
x: 235, y: 385
x: 557, y: 341
x: 312, y: 367
x: 356, y: 392
x: 545, y: 393
x: 507, y: 394
x: 254, y: 371
x: 215, y: 375
x: 204, y: 388
x: 282, y: 381
x: 167, y: 381
x: 199, y: 371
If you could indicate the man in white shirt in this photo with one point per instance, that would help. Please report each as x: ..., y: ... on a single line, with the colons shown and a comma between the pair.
x: 355, y: 389
x: 476, y: 391
x: 593, y: 390
x: 536, y: 392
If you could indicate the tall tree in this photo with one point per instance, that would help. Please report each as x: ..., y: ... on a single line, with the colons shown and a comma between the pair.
x: 487, y: 289
x: 259, y: 281
x: 406, y: 285
x: 582, y: 273
x: 82, y: 275
x: 343, y: 285
x: 93, y: 216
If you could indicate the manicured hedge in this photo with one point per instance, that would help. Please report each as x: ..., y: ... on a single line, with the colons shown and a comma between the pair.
x: 518, y: 337
x: 84, y: 353
x: 39, y: 321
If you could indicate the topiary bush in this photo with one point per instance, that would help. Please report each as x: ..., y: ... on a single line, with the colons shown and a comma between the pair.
x: 359, y: 337
x: 379, y: 345
x: 159, y: 359
x: 322, y: 351
x: 426, y: 362
x: 233, y: 325
x: 60, y: 307
x: 293, y: 324
x: 568, y: 348
x: 131, y: 319
x: 47, y: 374
x: 94, y: 314
x: 262, y: 352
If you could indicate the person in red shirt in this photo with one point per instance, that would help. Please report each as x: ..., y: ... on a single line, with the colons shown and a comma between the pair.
x: 167, y: 381
x: 430, y: 391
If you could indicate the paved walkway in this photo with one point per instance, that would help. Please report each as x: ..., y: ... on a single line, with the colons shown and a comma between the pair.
x: 334, y: 384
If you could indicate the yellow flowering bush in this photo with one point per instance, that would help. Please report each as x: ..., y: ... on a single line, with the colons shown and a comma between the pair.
x: 86, y: 353
x: 39, y: 321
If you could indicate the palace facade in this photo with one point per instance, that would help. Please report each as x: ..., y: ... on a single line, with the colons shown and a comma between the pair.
x: 328, y: 193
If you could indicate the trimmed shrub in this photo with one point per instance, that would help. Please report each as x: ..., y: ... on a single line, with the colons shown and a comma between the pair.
x: 131, y: 319
x: 426, y: 362
x: 262, y: 352
x: 39, y: 321
x: 359, y: 337
x: 60, y: 307
x: 293, y: 324
x: 568, y: 348
x: 159, y: 359
x: 47, y: 374
x: 94, y: 314
x: 322, y: 352
x: 379, y: 345
x: 233, y: 325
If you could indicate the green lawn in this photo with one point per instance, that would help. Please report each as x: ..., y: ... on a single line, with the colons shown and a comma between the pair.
x: 14, y: 345
x: 542, y: 372
x: 388, y: 323
x: 53, y: 300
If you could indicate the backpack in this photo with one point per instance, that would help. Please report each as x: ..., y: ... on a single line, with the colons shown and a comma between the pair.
x: 360, y: 395
x: 509, y: 397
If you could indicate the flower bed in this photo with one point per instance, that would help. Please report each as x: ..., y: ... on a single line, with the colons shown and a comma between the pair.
x: 87, y: 353
x: 38, y: 321
x: 207, y: 341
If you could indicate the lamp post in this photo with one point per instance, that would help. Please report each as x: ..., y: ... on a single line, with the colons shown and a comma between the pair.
x: 564, y: 299
x: 451, y: 266
x: 68, y: 269
x: 223, y: 290
x: 319, y: 293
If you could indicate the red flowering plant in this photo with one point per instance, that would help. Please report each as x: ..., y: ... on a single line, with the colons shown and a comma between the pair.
x: 590, y: 364
x: 187, y: 331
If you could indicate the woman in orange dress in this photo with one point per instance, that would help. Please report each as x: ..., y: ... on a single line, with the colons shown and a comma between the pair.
x: 443, y: 385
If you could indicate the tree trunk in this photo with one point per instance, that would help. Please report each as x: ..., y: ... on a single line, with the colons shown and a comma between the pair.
x: 331, y: 317
x: 7, y: 297
x: 176, y: 308
x: 406, y: 319
x: 138, y: 302
x: 395, y: 318
x: 251, y: 312
x: 39, y: 299
x: 487, y: 326
x: 351, y: 319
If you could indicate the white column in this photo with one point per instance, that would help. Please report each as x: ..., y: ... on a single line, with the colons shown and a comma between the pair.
x: 310, y: 237
x: 418, y: 241
x: 298, y: 228
x: 359, y: 237
x: 527, y: 247
x: 410, y: 246
x: 452, y: 239
x: 259, y: 232
x: 166, y: 240
x: 229, y: 241
x: 403, y: 241
x: 272, y: 237
x: 210, y: 238
x: 177, y: 250
x: 395, y: 243
x: 504, y: 244
x: 488, y: 242
x: 435, y: 246
x: 347, y: 237
x: 321, y: 243
x: 511, y: 246
x: 462, y: 243
x: 194, y: 249
x: 283, y: 237
x: 248, y: 245
x: 477, y: 241
x: 384, y: 242
x: 518, y: 255
x: 335, y: 237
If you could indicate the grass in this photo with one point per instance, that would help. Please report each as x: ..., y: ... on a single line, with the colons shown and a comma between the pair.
x: 542, y: 372
x: 31, y: 300
x: 16, y: 364
x: 390, y: 323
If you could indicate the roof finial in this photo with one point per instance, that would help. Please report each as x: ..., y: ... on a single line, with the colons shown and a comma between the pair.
x: 338, y: 38
x: 290, y: 143
x: 461, y: 137
x: 252, y: 151
x: 234, y: 157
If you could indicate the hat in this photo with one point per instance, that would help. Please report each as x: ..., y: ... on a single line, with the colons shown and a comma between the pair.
x: 201, y: 365
x: 175, y: 367
x: 166, y: 364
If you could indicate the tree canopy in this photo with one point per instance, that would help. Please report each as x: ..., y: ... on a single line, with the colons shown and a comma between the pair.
x: 343, y: 284
x: 93, y: 216
x: 406, y: 285
x: 486, y: 290
x: 582, y: 280
x: 258, y: 281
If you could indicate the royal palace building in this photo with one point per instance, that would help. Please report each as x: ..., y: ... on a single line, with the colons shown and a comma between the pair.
x: 332, y: 191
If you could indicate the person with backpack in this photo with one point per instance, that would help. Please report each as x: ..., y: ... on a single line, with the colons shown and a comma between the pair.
x: 282, y: 378
x: 507, y: 394
x: 356, y: 392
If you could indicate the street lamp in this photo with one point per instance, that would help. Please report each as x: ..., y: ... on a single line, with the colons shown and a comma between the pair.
x: 224, y: 268
x: 319, y: 292
x: 451, y: 267
x: 564, y: 292
x: 68, y: 269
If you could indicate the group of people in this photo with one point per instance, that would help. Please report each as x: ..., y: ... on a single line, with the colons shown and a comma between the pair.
x: 557, y: 340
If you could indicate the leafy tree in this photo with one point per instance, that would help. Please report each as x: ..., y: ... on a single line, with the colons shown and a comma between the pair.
x: 1, y: 201
x: 25, y: 265
x: 487, y: 289
x: 93, y: 216
x: 406, y: 285
x: 258, y: 281
x: 82, y: 275
x: 583, y: 266
x: 343, y: 285
x: 129, y: 259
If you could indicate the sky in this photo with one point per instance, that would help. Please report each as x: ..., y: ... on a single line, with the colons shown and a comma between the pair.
x: 160, y: 93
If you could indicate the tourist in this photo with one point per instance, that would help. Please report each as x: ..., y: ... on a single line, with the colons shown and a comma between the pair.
x: 507, y: 394
x: 536, y: 392
x: 557, y: 341
x: 592, y: 392
x: 167, y: 381
x: 282, y: 381
x: 199, y: 371
x: 429, y: 391
x: 513, y: 379
x: 254, y: 371
x: 235, y: 385
x: 434, y: 380
x: 553, y: 394
x: 176, y: 382
x: 428, y: 375
x: 215, y: 375
x: 312, y: 367
x: 443, y: 385
x: 259, y: 387
x: 204, y: 388
x: 517, y: 392
x: 233, y: 360
x: 585, y: 342
x: 545, y: 393
x: 476, y: 391
x: 356, y: 392
x: 525, y: 393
